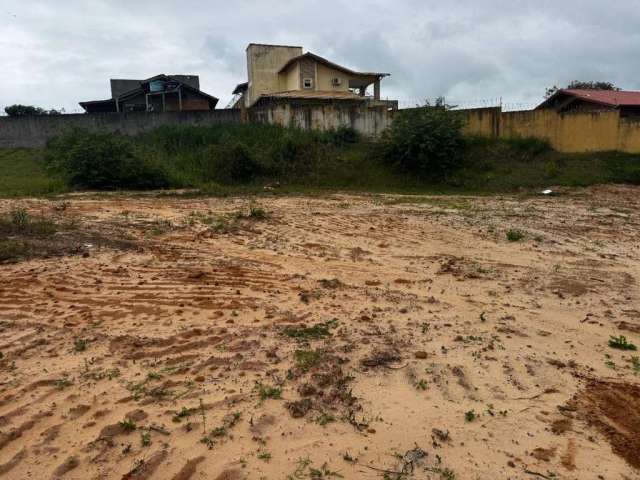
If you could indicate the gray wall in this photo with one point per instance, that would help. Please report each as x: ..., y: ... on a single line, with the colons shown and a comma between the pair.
x: 34, y: 131
x: 369, y: 120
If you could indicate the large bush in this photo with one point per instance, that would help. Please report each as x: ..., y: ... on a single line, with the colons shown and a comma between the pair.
x: 425, y: 141
x: 232, y: 162
x: 102, y: 161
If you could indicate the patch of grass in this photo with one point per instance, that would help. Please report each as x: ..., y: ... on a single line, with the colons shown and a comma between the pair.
x: 315, y: 332
x: 265, y: 392
x: 258, y: 213
x: 635, y: 365
x: 421, y: 385
x: 19, y: 222
x: 305, y: 360
x: 515, y: 235
x: 184, y: 413
x: 470, y: 416
x: 621, y: 343
x: 145, y: 439
x: 222, y: 430
x: 128, y: 425
x: 264, y: 456
x: 24, y: 175
x: 63, y: 383
x: 324, y: 418
x: 80, y: 344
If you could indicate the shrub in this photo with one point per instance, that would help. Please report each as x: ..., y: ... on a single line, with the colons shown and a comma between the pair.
x: 103, y: 161
x: 425, y: 141
x: 342, y: 135
x: 232, y: 162
x: 28, y: 110
x: 515, y: 235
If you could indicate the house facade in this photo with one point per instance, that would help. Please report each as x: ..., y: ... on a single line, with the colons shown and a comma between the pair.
x: 281, y: 72
x: 161, y: 93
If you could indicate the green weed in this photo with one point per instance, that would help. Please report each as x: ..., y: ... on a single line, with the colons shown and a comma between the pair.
x: 621, y: 343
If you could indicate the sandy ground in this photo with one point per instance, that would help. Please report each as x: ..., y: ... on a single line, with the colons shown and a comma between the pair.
x: 343, y: 337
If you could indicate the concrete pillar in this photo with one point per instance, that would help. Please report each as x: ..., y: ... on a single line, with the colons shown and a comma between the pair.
x: 376, y: 90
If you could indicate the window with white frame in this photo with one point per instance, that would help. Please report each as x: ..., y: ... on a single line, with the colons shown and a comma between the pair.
x: 307, y: 83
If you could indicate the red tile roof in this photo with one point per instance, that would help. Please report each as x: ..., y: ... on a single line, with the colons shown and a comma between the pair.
x: 607, y: 97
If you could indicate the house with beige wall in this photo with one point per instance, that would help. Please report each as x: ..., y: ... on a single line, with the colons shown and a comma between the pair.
x: 277, y: 72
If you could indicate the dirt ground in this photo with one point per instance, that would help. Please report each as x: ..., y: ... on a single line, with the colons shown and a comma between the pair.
x: 342, y: 337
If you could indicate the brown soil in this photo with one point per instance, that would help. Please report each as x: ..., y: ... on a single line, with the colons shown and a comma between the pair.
x: 348, y: 335
x: 614, y: 409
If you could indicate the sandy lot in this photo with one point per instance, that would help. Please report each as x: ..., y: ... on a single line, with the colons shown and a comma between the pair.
x: 344, y: 337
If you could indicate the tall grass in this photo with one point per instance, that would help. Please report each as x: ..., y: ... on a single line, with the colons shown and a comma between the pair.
x: 225, y: 159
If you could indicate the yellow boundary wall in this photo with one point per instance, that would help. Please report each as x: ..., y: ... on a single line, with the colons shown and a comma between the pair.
x: 569, y: 132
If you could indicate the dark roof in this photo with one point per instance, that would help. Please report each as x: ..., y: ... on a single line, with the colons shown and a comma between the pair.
x: 271, y: 45
x: 330, y: 64
x: 609, y: 98
x: 241, y: 87
x: 139, y: 89
x: 314, y: 95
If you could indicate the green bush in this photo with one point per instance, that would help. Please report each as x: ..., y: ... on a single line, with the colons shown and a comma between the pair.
x: 232, y: 162
x: 102, y: 161
x: 425, y: 141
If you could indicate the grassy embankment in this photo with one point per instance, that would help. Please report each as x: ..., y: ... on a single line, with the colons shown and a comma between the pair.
x: 304, y: 162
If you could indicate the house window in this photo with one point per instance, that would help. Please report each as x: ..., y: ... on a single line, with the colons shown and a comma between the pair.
x: 307, y: 83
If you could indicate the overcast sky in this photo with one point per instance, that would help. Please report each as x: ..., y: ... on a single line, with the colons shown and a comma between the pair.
x: 59, y: 52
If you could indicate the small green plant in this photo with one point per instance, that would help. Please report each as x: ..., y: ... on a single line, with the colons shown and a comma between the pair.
x: 227, y: 423
x: 307, y: 359
x: 621, y: 343
x: 80, y: 344
x: 635, y: 364
x: 315, y: 332
x: 185, y: 412
x: 128, y: 425
x: 266, y: 391
x: 264, y: 456
x: 19, y: 218
x: 421, y: 385
x: 470, y: 416
x: 145, y: 439
x: 63, y: 383
x: 153, y: 376
x: 324, y: 418
x: 258, y: 213
x: 346, y: 456
x: 515, y: 235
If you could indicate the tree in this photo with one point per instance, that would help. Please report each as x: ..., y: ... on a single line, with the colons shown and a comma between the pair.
x: 28, y: 110
x: 425, y: 141
x: 582, y: 85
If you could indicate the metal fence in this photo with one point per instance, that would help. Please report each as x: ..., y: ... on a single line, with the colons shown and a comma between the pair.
x: 456, y: 104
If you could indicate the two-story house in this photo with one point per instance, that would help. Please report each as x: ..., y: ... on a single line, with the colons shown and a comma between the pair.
x: 285, y: 72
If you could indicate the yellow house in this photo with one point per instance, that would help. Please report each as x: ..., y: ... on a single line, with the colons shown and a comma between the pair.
x: 282, y: 72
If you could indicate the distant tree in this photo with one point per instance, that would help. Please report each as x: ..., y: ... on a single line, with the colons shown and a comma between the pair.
x: 581, y: 85
x: 28, y: 110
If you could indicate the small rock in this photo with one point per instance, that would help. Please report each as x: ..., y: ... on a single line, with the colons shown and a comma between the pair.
x: 421, y: 354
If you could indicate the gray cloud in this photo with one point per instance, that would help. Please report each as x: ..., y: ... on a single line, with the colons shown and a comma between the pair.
x: 54, y: 54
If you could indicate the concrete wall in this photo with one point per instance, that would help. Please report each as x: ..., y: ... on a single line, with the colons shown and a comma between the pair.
x: 32, y: 132
x: 368, y: 120
x: 263, y: 64
x: 569, y: 132
x: 326, y: 76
